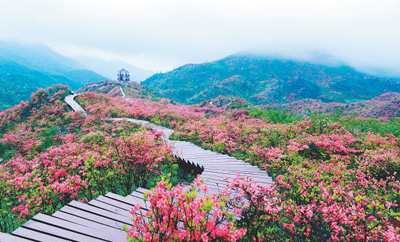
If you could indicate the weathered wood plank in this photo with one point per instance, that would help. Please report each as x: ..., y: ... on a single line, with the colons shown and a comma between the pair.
x: 114, y: 203
x: 218, y: 163
x: 228, y: 172
x: 110, y: 208
x: 115, y: 234
x: 101, y: 212
x: 93, y: 217
x: 208, y: 156
x: 141, y: 190
x: 55, y: 231
x: 240, y: 172
x: 81, y: 229
x: 128, y: 199
x: 12, y: 238
x: 37, y: 236
x: 234, y: 173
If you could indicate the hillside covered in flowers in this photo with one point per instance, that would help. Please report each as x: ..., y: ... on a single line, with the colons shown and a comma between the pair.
x: 336, y: 178
x: 51, y: 155
x: 383, y: 106
x: 333, y: 181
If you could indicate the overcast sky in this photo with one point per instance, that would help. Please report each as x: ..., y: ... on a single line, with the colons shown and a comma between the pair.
x: 163, y: 34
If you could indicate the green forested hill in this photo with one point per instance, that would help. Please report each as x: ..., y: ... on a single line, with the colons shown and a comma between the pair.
x: 263, y: 80
x: 24, y: 69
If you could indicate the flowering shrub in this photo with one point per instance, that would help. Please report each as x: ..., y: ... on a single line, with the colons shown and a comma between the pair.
x: 54, y: 156
x: 344, y: 179
x: 178, y: 214
x: 164, y: 114
x: 332, y: 182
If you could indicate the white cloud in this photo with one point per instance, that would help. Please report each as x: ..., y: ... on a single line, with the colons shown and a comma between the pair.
x: 160, y: 34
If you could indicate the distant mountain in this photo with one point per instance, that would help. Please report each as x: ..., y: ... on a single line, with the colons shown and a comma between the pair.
x: 110, y: 68
x: 25, y: 68
x: 266, y: 80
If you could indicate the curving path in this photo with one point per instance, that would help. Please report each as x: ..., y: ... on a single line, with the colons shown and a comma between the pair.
x: 122, y: 91
x: 102, y: 218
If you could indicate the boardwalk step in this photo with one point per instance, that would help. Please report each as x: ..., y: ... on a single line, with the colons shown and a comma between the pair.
x: 80, y: 229
x: 36, y: 236
x: 11, y: 238
x: 113, y: 234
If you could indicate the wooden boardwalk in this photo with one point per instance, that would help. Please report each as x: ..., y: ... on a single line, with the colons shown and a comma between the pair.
x: 102, y: 218
x: 99, y: 220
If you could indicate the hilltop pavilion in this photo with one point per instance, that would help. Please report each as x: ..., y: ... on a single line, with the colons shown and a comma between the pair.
x: 123, y: 75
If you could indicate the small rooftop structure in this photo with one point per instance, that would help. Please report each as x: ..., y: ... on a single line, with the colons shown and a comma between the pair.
x: 123, y: 75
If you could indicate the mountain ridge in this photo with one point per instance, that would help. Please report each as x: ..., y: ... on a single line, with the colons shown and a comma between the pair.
x: 265, y: 80
x: 25, y: 68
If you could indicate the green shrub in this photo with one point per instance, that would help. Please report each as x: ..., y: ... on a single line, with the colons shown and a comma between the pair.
x: 274, y: 116
x: 95, y: 137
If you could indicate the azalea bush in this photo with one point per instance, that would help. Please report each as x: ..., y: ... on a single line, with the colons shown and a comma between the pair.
x: 333, y: 180
x: 52, y: 155
x: 180, y: 214
x: 348, y: 181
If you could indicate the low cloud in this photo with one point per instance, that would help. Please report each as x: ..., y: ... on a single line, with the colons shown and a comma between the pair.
x: 160, y: 35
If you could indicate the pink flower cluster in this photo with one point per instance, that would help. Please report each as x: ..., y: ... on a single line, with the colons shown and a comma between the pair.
x: 180, y: 214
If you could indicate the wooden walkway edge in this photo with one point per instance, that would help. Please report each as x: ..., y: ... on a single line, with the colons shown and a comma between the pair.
x: 102, y: 218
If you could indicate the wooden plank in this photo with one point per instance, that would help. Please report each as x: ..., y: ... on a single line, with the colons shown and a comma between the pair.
x: 211, y: 164
x: 209, y: 156
x: 197, y: 149
x: 214, y: 159
x: 230, y: 171
x: 101, y: 212
x: 194, y: 153
x: 54, y: 221
x: 231, y: 164
x: 110, y: 208
x: 234, y: 173
x: 142, y: 190
x: 34, y: 235
x: 114, y: 203
x: 217, y: 161
x: 55, y: 231
x: 215, y: 164
x: 189, y: 154
x: 241, y: 173
x: 135, y: 196
x: 193, y: 150
x: 12, y: 238
x: 115, y: 234
x: 93, y: 217
x: 128, y: 200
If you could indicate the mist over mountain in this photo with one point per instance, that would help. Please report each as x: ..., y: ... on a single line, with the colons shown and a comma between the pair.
x: 25, y: 68
x: 109, y: 68
x: 264, y: 79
